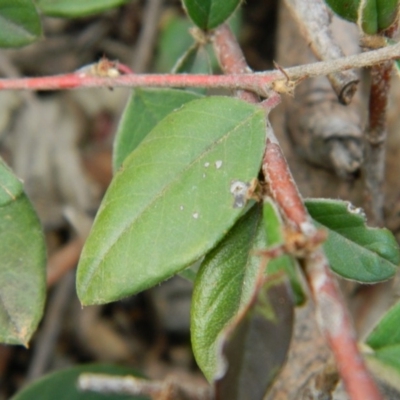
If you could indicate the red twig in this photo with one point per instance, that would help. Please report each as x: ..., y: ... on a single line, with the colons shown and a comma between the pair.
x: 376, y: 141
x: 331, y: 311
x: 108, y: 74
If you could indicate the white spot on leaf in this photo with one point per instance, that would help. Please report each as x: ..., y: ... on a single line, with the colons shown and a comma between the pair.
x: 181, y: 208
x: 207, y: 164
x: 218, y: 164
x: 239, y: 190
x: 195, y: 215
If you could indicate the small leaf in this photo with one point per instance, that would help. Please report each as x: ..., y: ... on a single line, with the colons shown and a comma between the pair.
x: 347, y: 9
x: 373, y: 16
x: 224, y: 284
x: 62, y: 385
x: 171, y: 201
x: 145, y: 108
x: 208, y: 14
x: 76, y: 8
x: 387, y: 331
x: 19, y: 23
x: 387, y: 13
x: 174, y: 40
x: 377, y: 15
x: 366, y: 254
x: 196, y: 60
x: 22, y: 263
x: 255, y: 345
x: 385, y: 364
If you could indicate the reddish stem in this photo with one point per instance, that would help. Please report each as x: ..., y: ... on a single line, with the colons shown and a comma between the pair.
x: 331, y: 310
x: 81, y: 80
x: 332, y: 315
x: 108, y: 74
x: 375, y: 151
x: 376, y: 140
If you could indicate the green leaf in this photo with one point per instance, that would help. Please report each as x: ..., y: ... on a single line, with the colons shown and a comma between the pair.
x: 274, y: 236
x: 224, y: 284
x: 354, y: 250
x: 387, y: 13
x: 255, y: 345
x: 145, y: 108
x: 373, y: 16
x: 19, y: 23
x: 22, y: 263
x: 76, y: 8
x: 347, y: 9
x: 171, y: 202
x: 387, y: 331
x: 62, y: 385
x: 208, y: 14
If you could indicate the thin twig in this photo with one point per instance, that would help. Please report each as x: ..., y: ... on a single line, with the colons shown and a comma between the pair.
x: 147, y: 36
x: 168, y: 389
x: 259, y: 83
x: 44, y: 346
x: 313, y: 18
x: 231, y: 59
x: 332, y: 315
x: 375, y: 146
x: 375, y: 143
x: 63, y: 260
x: 333, y: 318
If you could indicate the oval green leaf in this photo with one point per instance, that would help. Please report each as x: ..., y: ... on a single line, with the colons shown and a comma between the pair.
x: 19, y: 23
x: 76, y: 8
x: 255, y: 345
x: 224, y: 285
x: 366, y: 254
x: 171, y: 201
x: 62, y: 385
x: 22, y: 263
x: 145, y: 109
x: 208, y: 14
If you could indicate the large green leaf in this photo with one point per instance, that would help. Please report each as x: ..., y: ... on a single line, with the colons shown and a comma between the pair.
x: 62, y: 385
x: 254, y: 346
x: 373, y: 16
x: 145, y: 108
x: 76, y: 8
x: 171, y: 201
x: 22, y: 263
x: 19, y: 23
x: 224, y: 284
x: 208, y: 14
x: 354, y: 250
